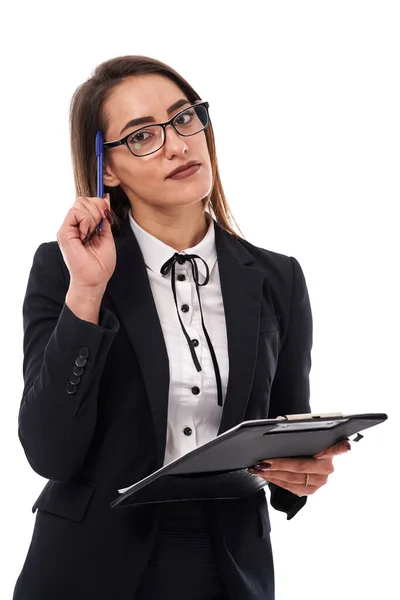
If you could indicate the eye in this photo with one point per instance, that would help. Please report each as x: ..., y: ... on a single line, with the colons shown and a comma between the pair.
x: 138, y: 138
x: 180, y: 119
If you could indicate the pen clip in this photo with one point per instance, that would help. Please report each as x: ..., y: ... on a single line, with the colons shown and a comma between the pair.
x: 310, y: 416
x: 99, y: 143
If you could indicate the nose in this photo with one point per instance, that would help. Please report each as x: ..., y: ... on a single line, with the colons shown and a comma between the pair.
x: 173, y: 141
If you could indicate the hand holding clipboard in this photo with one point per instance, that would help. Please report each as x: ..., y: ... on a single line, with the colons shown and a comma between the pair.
x: 219, y: 468
x: 301, y: 476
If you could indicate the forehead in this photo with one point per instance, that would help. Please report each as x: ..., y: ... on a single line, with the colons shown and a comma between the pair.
x: 139, y: 96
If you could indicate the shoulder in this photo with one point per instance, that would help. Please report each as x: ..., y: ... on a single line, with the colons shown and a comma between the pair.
x: 48, y: 260
x: 265, y: 256
x: 280, y: 267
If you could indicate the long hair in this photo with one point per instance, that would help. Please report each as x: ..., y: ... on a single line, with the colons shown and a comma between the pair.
x: 87, y: 116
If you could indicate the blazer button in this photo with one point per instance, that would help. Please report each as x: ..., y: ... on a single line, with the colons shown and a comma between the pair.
x: 187, y: 431
x: 71, y: 388
x: 78, y: 371
x: 195, y: 390
x: 80, y: 362
x: 74, y: 379
x: 84, y: 352
x: 184, y: 308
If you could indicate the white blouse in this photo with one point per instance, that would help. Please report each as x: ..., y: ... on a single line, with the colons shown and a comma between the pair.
x: 193, y: 412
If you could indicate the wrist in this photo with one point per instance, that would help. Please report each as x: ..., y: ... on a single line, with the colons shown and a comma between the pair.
x: 85, y: 302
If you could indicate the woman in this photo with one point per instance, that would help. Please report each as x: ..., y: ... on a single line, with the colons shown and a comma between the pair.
x: 122, y: 374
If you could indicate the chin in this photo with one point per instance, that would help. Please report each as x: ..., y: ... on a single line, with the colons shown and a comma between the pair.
x: 194, y: 189
x: 176, y: 201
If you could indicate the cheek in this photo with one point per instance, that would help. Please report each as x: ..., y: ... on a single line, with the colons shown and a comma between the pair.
x: 204, y: 181
x: 142, y: 178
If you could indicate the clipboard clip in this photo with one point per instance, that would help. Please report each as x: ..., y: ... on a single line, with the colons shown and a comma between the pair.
x: 310, y: 416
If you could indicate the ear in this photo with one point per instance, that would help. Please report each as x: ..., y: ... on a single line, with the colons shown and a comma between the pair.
x: 109, y: 178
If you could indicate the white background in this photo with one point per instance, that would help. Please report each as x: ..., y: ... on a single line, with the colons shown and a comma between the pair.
x: 304, y: 100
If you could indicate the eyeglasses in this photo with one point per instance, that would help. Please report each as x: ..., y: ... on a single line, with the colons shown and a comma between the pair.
x: 151, y: 138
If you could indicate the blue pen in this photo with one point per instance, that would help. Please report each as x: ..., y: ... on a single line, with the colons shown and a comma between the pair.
x: 99, y: 154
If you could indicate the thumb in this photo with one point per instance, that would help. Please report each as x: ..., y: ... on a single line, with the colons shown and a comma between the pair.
x: 107, y: 222
x: 107, y: 199
x: 339, y: 448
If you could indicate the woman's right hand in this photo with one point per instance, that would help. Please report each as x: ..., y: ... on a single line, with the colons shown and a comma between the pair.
x: 90, y: 259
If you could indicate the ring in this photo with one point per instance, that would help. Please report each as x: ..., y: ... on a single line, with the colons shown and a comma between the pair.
x: 307, y: 478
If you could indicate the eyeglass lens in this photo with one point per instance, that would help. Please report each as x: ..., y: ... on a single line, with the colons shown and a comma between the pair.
x: 150, y: 139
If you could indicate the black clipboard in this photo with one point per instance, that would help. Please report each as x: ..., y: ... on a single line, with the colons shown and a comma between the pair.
x: 218, y: 469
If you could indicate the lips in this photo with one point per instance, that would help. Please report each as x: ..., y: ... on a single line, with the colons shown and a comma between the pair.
x: 183, y: 167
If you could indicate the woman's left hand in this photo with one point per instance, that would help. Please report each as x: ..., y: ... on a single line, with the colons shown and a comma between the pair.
x: 290, y: 473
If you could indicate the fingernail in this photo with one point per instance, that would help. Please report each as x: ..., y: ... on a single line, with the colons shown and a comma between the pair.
x: 108, y: 216
x: 263, y: 466
x: 348, y: 446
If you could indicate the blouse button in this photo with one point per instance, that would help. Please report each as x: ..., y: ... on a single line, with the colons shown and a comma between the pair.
x: 184, y: 308
x: 187, y: 431
x: 181, y: 277
x: 195, y: 390
x: 195, y: 342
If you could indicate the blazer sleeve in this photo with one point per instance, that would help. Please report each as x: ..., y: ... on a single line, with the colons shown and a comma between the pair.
x: 290, y: 392
x: 56, y: 419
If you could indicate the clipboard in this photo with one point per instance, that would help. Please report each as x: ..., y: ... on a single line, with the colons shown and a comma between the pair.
x: 218, y: 469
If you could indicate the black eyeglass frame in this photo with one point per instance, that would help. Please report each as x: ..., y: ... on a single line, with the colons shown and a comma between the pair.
x: 124, y: 140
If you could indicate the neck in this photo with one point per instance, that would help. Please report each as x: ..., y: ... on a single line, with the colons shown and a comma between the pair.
x: 180, y: 231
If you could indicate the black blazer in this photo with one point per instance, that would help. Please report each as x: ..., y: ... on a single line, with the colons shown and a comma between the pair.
x: 108, y: 428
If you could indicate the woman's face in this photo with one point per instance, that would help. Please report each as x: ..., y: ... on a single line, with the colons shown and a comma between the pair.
x: 144, y: 179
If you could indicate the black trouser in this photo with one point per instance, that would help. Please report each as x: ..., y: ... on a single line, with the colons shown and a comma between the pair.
x: 183, y: 564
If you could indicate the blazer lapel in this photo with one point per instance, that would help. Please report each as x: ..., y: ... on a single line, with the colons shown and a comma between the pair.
x: 241, y: 286
x: 131, y: 295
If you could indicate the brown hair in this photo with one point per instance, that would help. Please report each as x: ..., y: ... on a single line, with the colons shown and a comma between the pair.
x: 86, y: 117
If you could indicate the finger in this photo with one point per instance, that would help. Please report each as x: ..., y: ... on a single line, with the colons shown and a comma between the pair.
x: 95, y: 207
x: 299, y: 490
x: 104, y: 231
x: 296, y: 478
x: 89, y: 212
x: 78, y: 222
x: 340, y: 448
x: 301, y: 465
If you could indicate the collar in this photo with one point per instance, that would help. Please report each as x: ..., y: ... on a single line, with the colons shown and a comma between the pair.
x: 156, y: 253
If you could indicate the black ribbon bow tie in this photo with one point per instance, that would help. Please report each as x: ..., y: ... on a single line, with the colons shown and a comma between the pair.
x: 165, y: 269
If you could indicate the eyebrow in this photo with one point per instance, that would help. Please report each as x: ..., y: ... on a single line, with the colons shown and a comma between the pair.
x: 150, y: 119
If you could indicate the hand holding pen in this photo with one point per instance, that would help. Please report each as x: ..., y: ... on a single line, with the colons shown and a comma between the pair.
x: 90, y: 258
x: 100, y: 184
